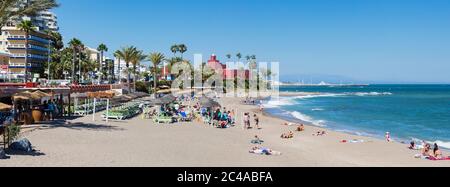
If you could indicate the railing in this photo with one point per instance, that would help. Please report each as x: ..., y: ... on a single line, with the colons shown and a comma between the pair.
x: 21, y: 55
x: 22, y: 37
x: 22, y: 46
x: 89, y: 88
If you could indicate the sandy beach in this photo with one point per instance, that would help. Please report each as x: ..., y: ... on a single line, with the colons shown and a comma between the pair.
x: 140, y: 142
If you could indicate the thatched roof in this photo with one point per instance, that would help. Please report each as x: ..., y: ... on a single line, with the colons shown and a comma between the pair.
x: 24, y: 96
x: 41, y: 94
x: 5, y: 107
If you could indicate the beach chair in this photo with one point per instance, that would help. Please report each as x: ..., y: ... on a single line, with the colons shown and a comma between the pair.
x: 163, y: 119
x: 185, y: 117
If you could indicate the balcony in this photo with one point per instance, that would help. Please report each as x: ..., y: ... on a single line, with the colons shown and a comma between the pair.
x: 34, y: 38
x: 22, y: 46
x: 29, y: 56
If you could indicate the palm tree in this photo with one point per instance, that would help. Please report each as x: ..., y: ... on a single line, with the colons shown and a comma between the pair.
x: 81, y: 49
x: 171, y: 62
x: 137, y: 58
x: 75, y: 44
x: 12, y: 8
x: 101, y: 48
x: 117, y: 55
x: 248, y: 57
x: 253, y: 62
x: 239, y: 56
x: 156, y: 59
x: 55, y: 47
x: 27, y: 27
x: 174, y: 49
x: 228, y: 56
x: 182, y: 49
x: 128, y: 54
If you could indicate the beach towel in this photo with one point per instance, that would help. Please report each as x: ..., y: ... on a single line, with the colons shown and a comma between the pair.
x: 438, y: 159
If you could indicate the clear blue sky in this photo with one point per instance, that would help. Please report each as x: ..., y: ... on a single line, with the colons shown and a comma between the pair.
x: 397, y: 40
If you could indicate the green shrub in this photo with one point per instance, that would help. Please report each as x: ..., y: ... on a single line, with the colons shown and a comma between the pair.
x: 142, y: 86
x: 13, y: 132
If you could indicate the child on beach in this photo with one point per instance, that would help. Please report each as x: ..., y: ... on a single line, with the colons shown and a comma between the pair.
x: 388, y: 137
x: 301, y: 128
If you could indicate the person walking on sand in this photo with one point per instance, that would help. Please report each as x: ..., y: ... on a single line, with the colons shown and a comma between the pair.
x: 256, y: 121
x: 246, y: 121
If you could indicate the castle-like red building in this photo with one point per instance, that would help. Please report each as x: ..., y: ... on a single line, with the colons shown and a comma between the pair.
x: 228, y: 74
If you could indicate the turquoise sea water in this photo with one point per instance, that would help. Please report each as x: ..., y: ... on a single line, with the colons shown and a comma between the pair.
x: 419, y: 112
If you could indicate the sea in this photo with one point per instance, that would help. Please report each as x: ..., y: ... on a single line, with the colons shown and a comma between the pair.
x: 408, y: 112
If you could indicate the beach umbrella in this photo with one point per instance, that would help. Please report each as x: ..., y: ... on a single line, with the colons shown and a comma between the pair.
x: 208, y: 102
x: 23, y: 96
x: 41, y: 94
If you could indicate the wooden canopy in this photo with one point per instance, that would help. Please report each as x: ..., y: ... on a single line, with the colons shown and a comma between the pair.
x: 101, y: 94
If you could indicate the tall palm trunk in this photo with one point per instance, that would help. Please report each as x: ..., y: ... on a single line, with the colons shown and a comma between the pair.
x: 155, y: 79
x: 80, y: 78
x: 26, y: 57
x: 135, y: 77
x: 73, y: 64
x: 101, y: 64
x: 128, y: 76
x: 119, y: 71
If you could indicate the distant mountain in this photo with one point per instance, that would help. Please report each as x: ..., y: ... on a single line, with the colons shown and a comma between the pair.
x: 338, y: 79
x: 318, y: 78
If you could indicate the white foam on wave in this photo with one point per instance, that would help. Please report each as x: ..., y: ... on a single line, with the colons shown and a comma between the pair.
x: 361, y: 94
x: 372, y: 93
x: 443, y: 144
x: 279, y: 101
x: 305, y: 118
x: 440, y: 143
x: 317, y: 109
x: 319, y: 95
x: 286, y: 101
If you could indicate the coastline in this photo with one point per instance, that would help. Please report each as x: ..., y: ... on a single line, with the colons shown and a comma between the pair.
x: 138, y: 142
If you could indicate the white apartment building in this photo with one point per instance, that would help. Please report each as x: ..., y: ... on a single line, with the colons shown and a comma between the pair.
x: 123, y: 67
x: 93, y: 54
x: 44, y: 20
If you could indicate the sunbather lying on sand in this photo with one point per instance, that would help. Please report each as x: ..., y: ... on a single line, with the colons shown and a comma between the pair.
x: 413, y: 146
x: 288, y: 124
x: 264, y: 151
x: 257, y: 140
x: 319, y: 133
x: 301, y: 128
x: 287, y: 135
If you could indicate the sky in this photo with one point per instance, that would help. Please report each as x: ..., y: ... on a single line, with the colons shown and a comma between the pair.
x: 405, y: 41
